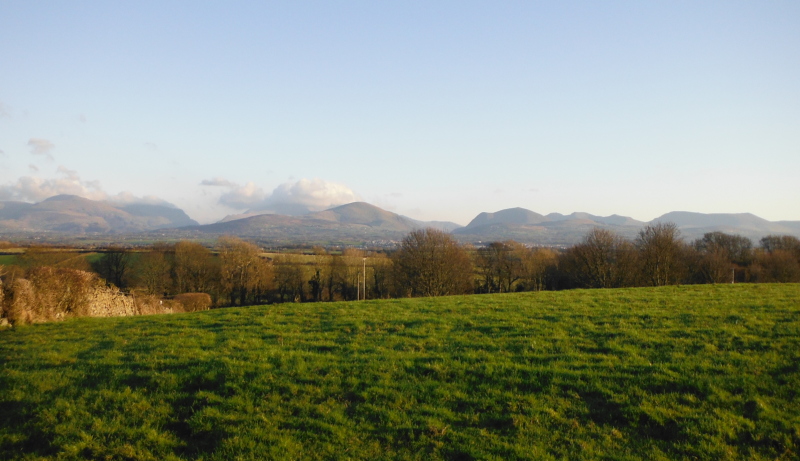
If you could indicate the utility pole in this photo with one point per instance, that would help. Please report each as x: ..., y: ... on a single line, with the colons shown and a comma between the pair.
x: 364, y: 267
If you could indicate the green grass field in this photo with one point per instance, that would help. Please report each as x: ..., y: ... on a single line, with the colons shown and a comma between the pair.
x: 6, y: 260
x: 699, y: 372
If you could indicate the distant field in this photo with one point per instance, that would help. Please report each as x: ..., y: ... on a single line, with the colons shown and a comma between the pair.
x: 699, y: 372
x: 8, y: 259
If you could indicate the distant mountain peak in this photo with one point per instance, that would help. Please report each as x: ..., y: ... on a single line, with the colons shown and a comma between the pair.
x: 65, y: 198
x: 513, y: 216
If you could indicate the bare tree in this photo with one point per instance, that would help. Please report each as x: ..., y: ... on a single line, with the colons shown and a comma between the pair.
x: 778, y: 260
x: 151, y: 271
x: 382, y: 281
x: 718, y: 254
x: 538, y: 265
x: 114, y: 265
x: 777, y: 266
x: 194, y: 268
x: 602, y: 260
x: 289, y: 281
x: 661, y: 253
x: 788, y: 243
x: 501, y: 265
x: 244, y: 272
x: 432, y: 263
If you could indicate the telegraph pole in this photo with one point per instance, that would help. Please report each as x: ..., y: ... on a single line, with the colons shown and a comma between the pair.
x: 364, y: 267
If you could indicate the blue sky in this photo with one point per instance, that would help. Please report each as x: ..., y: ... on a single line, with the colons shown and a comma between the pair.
x: 435, y: 110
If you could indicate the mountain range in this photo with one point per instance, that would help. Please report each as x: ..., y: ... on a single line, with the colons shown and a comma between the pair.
x: 70, y: 214
x: 354, y: 223
x: 556, y: 229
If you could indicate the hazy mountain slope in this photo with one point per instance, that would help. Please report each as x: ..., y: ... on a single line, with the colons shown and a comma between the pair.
x: 354, y: 223
x: 558, y: 229
x: 687, y: 219
x: 357, y: 222
x: 533, y: 228
x: 13, y: 210
x: 360, y: 213
x: 693, y: 225
x: 514, y: 216
x: 446, y: 226
x: 76, y: 215
x: 614, y: 220
x: 794, y: 226
x: 251, y: 225
x: 159, y: 216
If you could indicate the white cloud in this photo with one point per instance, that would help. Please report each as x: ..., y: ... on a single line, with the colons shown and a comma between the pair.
x: 218, y: 182
x: 241, y: 197
x: 33, y: 168
x: 314, y: 194
x: 41, y: 147
x: 127, y: 198
x: 299, y: 197
x: 36, y: 189
x: 237, y: 197
x: 4, y: 111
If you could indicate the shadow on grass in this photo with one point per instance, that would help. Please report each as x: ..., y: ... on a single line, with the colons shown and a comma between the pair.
x: 29, y: 439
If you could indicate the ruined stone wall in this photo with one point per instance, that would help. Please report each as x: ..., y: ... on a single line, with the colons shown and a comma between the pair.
x: 107, y: 301
x: 48, y: 294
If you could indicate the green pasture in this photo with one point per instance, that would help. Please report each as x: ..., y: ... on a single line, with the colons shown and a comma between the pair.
x: 57, y: 257
x: 700, y: 372
x: 7, y: 260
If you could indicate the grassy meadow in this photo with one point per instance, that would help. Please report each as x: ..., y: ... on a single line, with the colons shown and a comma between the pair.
x: 693, y: 372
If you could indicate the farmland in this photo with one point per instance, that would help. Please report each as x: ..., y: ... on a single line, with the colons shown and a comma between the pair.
x: 697, y: 372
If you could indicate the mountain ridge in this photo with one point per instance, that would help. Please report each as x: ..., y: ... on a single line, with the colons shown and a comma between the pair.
x: 72, y: 214
x: 358, y: 222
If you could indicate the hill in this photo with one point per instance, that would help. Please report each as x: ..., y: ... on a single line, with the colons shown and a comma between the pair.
x: 529, y: 227
x: 699, y: 372
x: 694, y: 225
x: 355, y: 222
x: 70, y: 214
x: 556, y: 229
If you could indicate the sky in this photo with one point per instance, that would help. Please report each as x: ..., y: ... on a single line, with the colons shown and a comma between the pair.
x: 437, y: 110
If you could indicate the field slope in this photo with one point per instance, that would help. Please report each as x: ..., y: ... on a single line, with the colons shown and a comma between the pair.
x: 701, y: 372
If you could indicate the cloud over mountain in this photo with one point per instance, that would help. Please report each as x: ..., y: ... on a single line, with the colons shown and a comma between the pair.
x: 69, y: 182
x: 314, y: 195
x: 293, y: 198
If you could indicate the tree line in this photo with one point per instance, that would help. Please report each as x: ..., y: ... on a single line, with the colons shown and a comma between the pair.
x: 428, y: 262
x: 603, y: 259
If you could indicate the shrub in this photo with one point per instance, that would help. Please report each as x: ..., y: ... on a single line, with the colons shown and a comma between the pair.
x: 193, y: 302
x: 2, y: 297
x: 147, y: 304
x: 48, y: 293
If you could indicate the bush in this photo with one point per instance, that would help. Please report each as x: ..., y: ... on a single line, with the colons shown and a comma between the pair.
x: 193, y: 302
x: 2, y: 297
x: 48, y: 293
x: 151, y: 304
